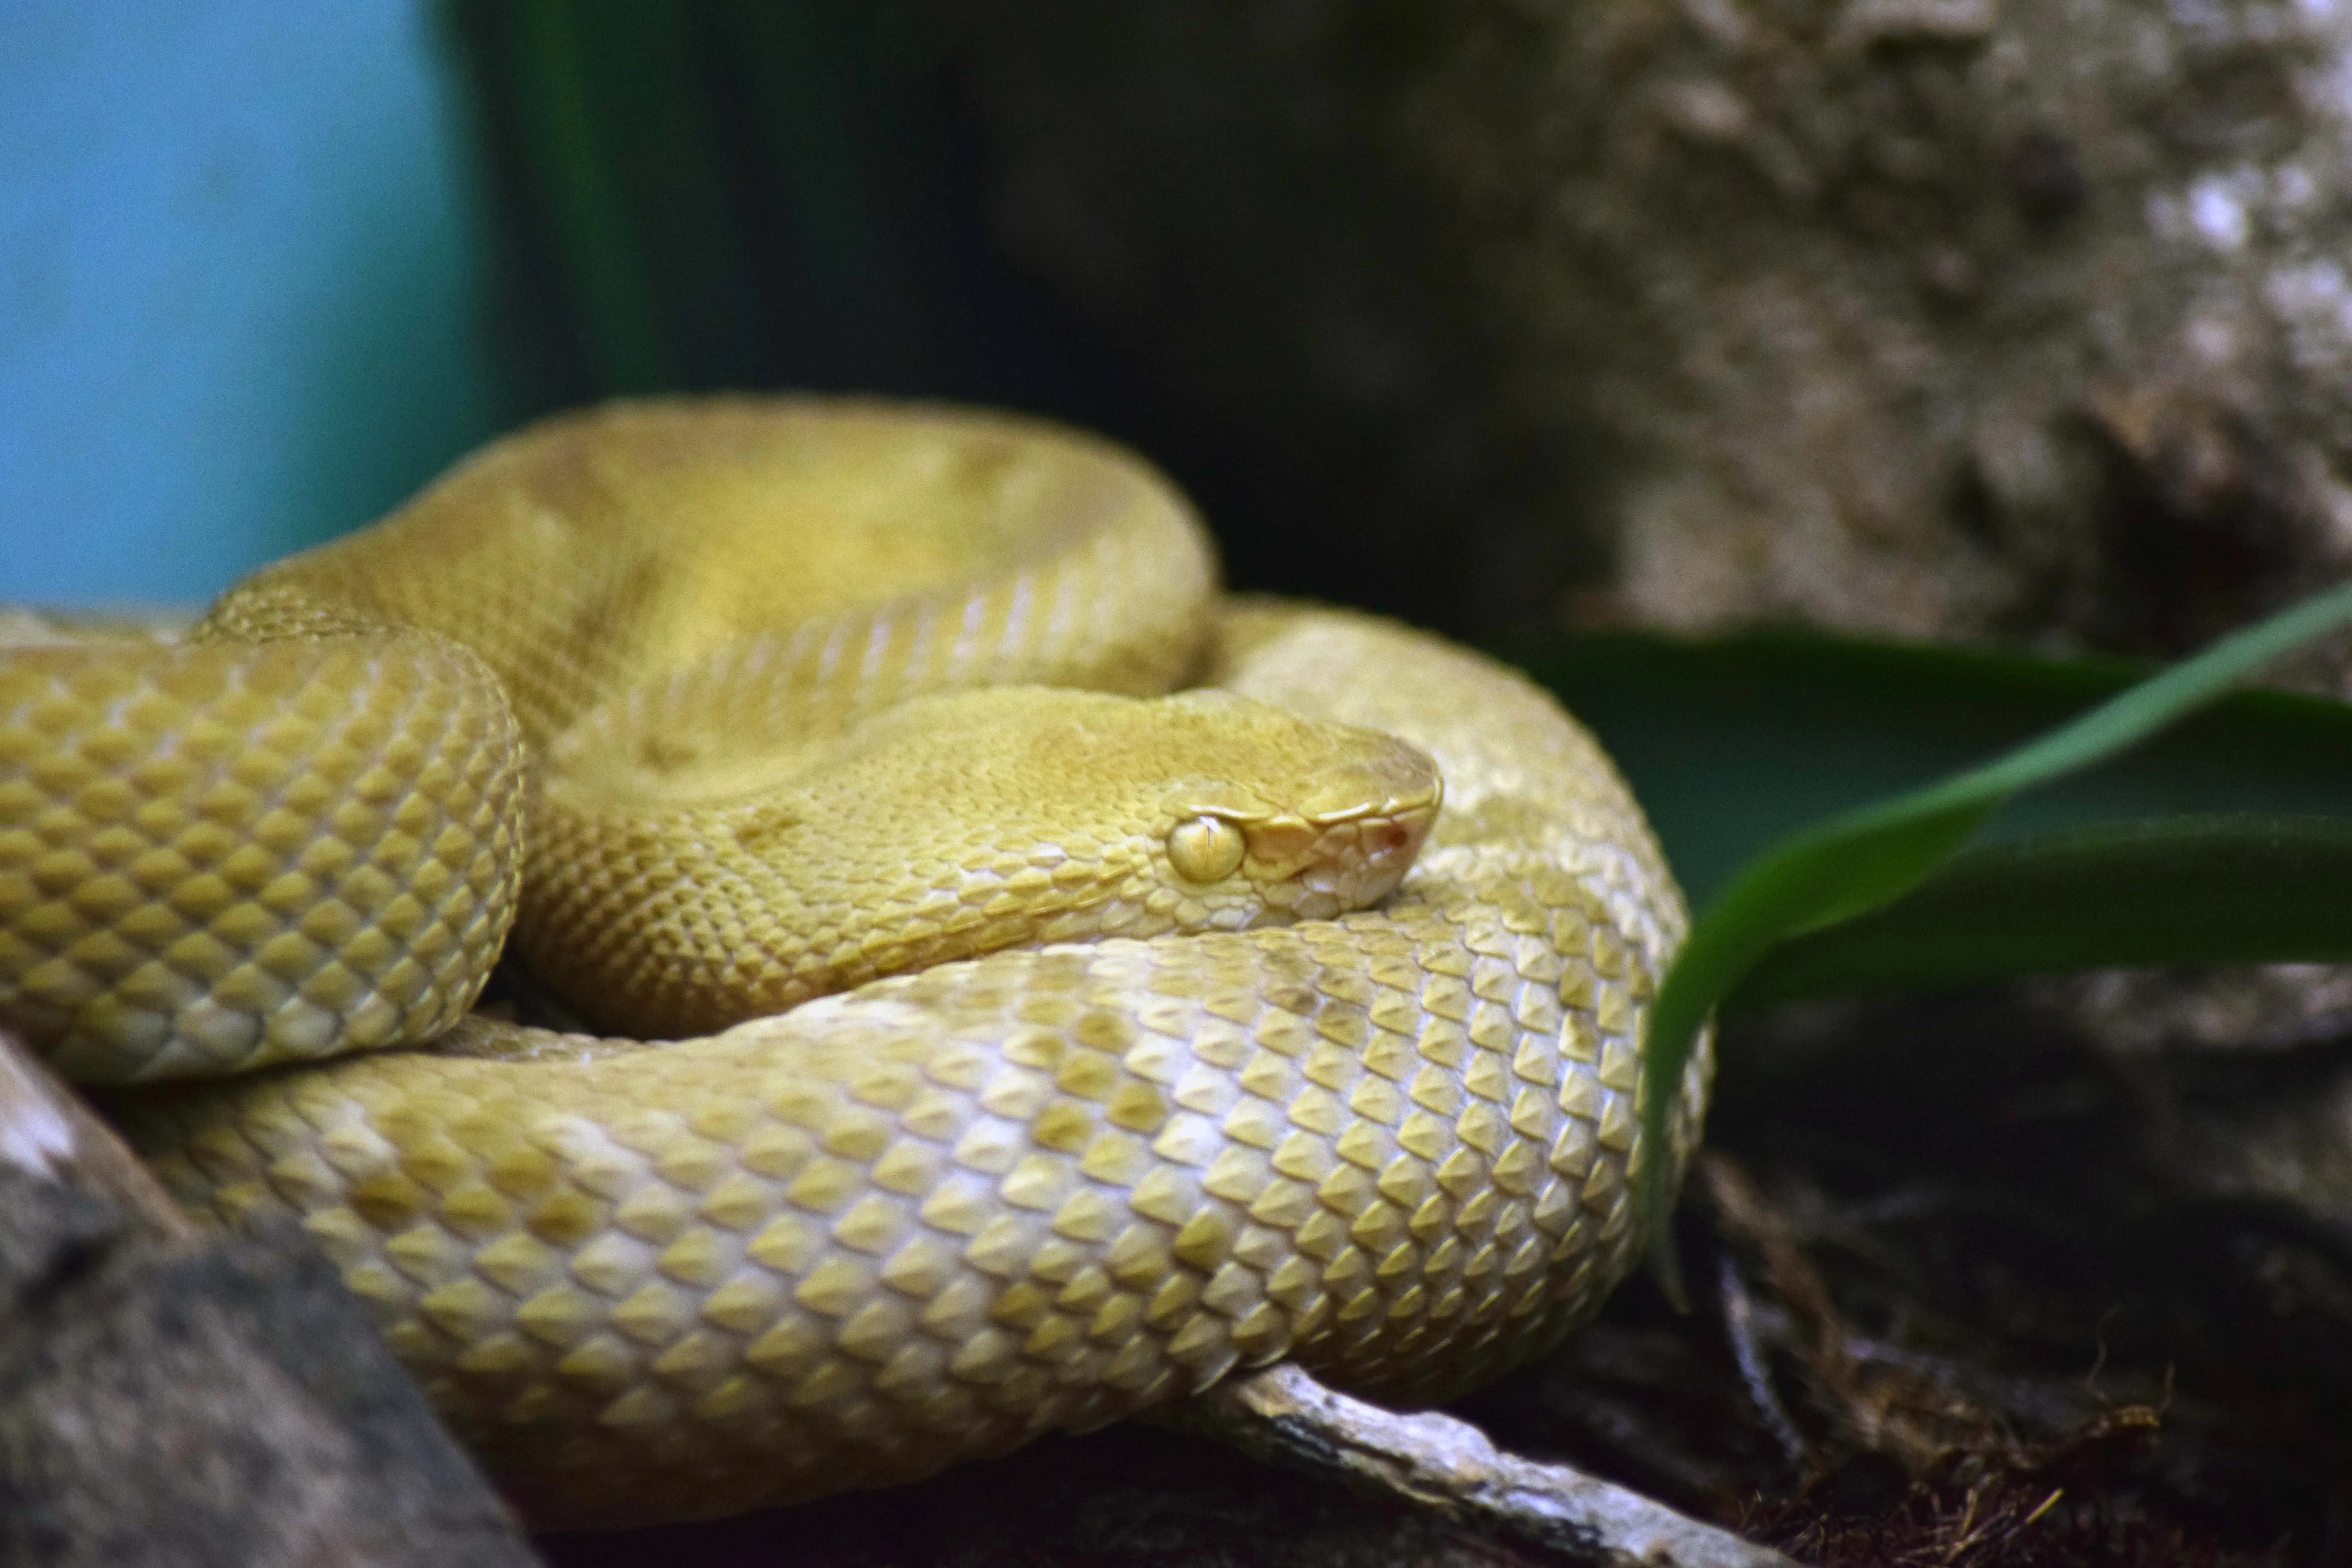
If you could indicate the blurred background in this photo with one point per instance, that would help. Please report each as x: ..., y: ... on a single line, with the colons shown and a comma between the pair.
x: 267, y: 269
x: 242, y: 259
x: 264, y: 270
x: 1941, y: 320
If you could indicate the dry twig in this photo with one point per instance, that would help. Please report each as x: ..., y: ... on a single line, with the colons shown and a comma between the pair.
x: 1436, y: 1462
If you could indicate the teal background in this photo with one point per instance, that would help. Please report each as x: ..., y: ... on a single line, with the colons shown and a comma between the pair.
x: 241, y: 285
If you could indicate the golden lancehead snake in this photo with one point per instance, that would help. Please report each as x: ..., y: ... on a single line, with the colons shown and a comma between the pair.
x: 1041, y: 1046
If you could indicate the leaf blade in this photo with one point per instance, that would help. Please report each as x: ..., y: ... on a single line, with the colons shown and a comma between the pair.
x: 1865, y: 858
x: 2207, y: 888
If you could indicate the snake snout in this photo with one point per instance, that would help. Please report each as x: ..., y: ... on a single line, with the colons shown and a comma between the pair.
x: 1314, y: 869
x: 1348, y: 841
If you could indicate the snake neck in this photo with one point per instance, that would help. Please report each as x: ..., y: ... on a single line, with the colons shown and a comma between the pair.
x: 947, y: 828
x: 700, y: 917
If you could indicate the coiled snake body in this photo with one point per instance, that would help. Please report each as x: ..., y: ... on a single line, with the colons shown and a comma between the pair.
x: 727, y: 691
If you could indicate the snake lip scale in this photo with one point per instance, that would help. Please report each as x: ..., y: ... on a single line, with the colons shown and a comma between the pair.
x: 1072, y: 988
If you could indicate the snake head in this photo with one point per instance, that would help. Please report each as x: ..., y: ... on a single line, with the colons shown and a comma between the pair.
x: 958, y: 823
x: 1329, y: 821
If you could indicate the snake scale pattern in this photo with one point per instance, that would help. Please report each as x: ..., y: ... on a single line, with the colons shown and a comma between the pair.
x: 1033, y: 1048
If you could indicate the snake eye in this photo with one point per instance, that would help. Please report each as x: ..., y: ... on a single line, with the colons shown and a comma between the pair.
x: 1205, y: 849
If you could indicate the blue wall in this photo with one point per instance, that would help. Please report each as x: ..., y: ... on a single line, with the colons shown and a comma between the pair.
x: 239, y: 286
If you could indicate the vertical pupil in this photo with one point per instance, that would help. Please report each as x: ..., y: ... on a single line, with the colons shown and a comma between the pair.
x: 1205, y: 849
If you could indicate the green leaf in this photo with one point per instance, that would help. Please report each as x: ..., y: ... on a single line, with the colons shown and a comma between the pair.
x: 1862, y: 860
x: 587, y: 208
x: 2177, y: 889
x: 1733, y: 743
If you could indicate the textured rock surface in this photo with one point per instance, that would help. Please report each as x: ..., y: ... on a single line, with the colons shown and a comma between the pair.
x: 1920, y: 316
x: 180, y: 1402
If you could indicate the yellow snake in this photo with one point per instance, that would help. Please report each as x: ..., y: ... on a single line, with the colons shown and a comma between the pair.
x: 813, y: 737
